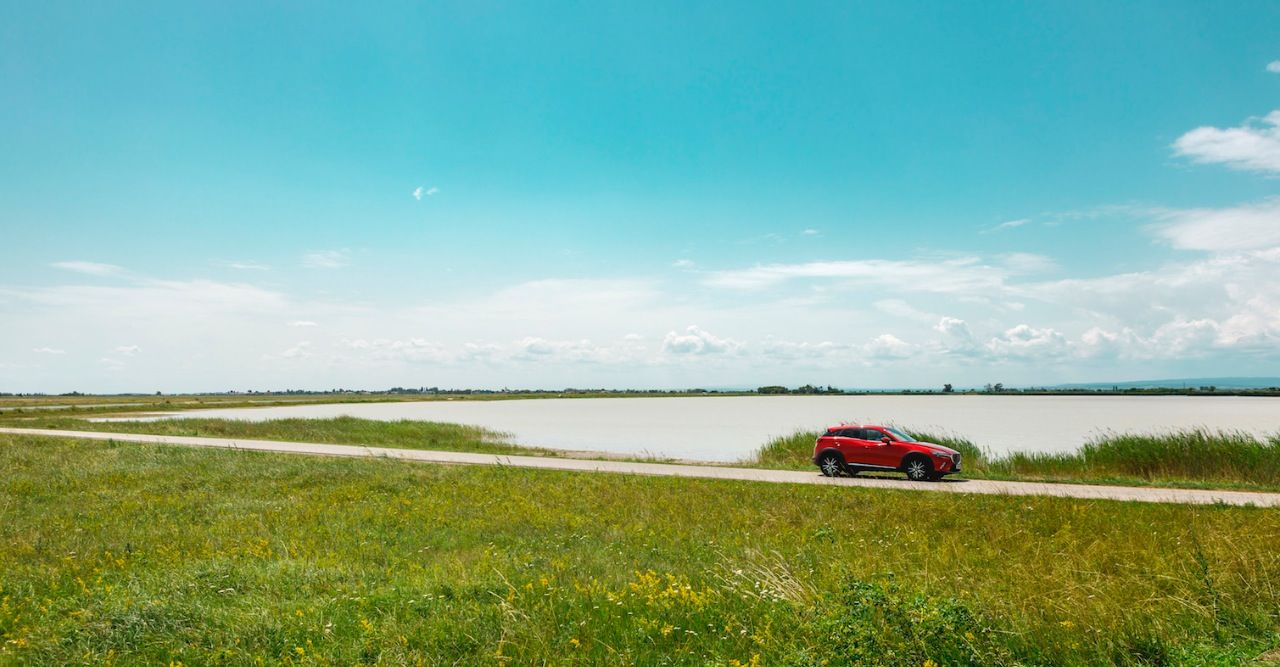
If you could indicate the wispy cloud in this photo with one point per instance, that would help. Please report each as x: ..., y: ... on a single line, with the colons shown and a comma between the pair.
x: 1244, y: 227
x: 810, y: 232
x: 1274, y: 67
x: 422, y: 191
x: 1027, y: 262
x: 89, y: 268
x: 326, y: 259
x: 48, y: 350
x: 128, y: 350
x: 242, y: 266
x: 1008, y: 224
x: 1252, y: 146
x: 684, y: 264
x: 302, y: 323
x: 951, y: 275
x: 300, y: 351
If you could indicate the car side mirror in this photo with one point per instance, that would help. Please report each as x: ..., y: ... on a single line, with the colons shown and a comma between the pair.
x: 885, y: 440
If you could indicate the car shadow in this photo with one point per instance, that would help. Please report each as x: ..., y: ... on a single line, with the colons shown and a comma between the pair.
x: 944, y: 480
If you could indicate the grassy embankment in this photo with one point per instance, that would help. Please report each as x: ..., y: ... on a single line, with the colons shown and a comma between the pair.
x: 1182, y: 459
x: 1192, y: 458
x: 141, y: 553
x: 404, y: 434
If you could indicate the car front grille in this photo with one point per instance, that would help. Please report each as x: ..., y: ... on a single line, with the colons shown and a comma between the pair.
x: 955, y: 458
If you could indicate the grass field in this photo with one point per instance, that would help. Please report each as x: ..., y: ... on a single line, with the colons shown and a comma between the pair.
x: 151, y: 554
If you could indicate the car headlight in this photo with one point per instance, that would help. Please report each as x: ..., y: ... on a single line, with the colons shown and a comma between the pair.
x: 942, y: 455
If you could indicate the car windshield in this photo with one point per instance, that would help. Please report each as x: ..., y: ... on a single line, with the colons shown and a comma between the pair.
x: 901, y: 435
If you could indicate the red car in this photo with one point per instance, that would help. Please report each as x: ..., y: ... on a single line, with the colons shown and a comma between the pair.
x: 849, y: 448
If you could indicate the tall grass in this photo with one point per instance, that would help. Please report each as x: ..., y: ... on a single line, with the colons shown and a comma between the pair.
x: 1192, y: 456
x: 403, y: 434
x: 144, y: 554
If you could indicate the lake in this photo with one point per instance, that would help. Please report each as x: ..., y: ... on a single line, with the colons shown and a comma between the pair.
x: 729, y: 428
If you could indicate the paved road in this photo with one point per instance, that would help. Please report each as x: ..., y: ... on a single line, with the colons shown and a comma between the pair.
x: 1141, y: 494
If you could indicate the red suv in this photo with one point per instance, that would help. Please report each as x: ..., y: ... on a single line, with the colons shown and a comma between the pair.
x: 850, y: 448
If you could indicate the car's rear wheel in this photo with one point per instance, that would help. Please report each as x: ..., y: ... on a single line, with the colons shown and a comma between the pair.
x: 831, y: 464
x: 918, y: 469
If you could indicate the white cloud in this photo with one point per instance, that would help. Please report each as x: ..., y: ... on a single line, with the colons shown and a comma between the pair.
x: 128, y: 350
x: 418, y: 350
x: 1248, y: 226
x: 421, y: 191
x: 1253, y: 146
x: 111, y: 364
x: 48, y: 350
x: 810, y: 232
x: 1008, y: 224
x: 956, y: 336
x: 794, y: 351
x: 89, y: 268
x: 900, y: 308
x: 242, y: 266
x: 1274, y: 67
x: 540, y: 349
x: 684, y: 264
x: 1024, y: 341
x: 943, y: 276
x: 302, y: 323
x: 888, y: 347
x: 326, y: 259
x: 1026, y: 262
x: 1177, y: 339
x: 769, y: 238
x: 301, y: 350
x: 696, y: 341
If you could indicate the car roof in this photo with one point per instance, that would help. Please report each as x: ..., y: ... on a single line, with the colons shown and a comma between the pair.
x: 840, y: 426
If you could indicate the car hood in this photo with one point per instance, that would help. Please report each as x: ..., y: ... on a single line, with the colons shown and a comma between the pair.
x: 940, y: 448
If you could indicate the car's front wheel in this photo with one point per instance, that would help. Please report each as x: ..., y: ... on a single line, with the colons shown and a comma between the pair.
x: 918, y: 469
x: 831, y: 464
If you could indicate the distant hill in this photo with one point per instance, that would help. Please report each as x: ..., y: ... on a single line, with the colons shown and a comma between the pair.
x: 1179, y: 383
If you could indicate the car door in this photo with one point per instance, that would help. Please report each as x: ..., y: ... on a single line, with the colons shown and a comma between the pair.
x: 855, y: 447
x: 879, y: 454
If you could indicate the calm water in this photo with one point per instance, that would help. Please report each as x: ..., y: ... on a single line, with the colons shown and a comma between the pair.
x: 730, y: 428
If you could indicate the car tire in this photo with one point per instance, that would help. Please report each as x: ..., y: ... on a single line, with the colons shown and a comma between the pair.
x: 918, y: 469
x: 831, y: 464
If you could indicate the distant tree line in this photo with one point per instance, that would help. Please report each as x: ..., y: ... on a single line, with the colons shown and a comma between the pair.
x: 766, y: 390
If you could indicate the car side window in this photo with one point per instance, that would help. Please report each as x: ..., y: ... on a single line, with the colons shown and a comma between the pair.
x: 872, y: 435
x: 848, y: 433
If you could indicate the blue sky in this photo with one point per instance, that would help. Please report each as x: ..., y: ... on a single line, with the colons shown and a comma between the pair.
x: 223, y: 196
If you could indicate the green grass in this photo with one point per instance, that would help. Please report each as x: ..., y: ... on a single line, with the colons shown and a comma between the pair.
x: 1191, y: 458
x: 150, y: 554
